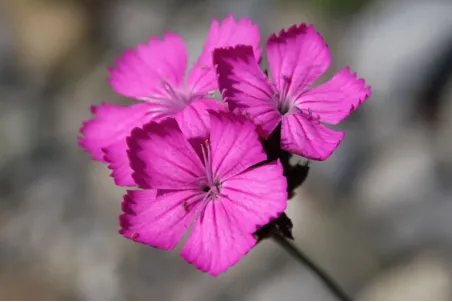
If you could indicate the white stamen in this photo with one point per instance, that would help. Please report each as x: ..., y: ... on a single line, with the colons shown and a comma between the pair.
x: 207, y: 158
x: 168, y: 88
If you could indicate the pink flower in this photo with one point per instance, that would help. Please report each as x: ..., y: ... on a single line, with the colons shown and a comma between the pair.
x: 210, y: 183
x: 153, y: 74
x: 297, y: 58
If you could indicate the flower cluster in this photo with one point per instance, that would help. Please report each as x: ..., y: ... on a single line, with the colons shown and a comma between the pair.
x: 203, y: 166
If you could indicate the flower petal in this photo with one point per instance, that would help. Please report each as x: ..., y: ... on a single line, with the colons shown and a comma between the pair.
x: 194, y: 120
x: 111, y: 124
x: 336, y: 99
x: 162, y: 158
x: 245, y: 87
x: 216, y: 242
x: 297, y: 57
x: 159, y: 220
x: 234, y: 144
x: 308, y: 138
x: 227, y: 33
x: 119, y: 164
x: 256, y: 196
x: 143, y: 72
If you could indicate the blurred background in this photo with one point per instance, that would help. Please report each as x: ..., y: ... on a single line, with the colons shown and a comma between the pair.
x: 377, y: 215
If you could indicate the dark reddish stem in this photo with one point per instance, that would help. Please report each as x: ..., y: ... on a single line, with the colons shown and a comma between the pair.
x: 290, y: 248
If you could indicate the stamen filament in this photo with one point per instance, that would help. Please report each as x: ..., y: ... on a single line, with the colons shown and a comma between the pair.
x: 171, y: 97
x: 207, y: 158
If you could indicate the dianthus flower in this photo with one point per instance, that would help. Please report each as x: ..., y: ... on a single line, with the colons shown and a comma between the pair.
x: 154, y: 75
x: 216, y: 185
x: 297, y: 58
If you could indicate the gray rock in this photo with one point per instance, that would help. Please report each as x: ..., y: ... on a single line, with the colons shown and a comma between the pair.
x: 419, y: 278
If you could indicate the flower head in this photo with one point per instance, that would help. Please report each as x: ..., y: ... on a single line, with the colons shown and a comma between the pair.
x: 297, y: 58
x: 210, y: 183
x: 154, y: 75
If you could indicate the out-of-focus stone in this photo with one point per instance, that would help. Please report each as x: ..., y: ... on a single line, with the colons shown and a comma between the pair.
x: 98, y: 260
x: 6, y: 49
x: 132, y: 22
x: 382, y: 44
x: 103, y: 194
x: 72, y: 247
x: 401, y: 171
x: 18, y: 284
x: 291, y: 283
x: 331, y: 239
x: 73, y: 105
x: 422, y: 278
x: 334, y: 179
x: 443, y: 134
x: 45, y: 32
x: 291, y: 12
x: 14, y: 126
x: 397, y: 193
x: 75, y: 100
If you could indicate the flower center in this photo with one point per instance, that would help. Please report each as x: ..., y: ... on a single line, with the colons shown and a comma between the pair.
x: 170, y: 100
x: 284, y: 108
x: 283, y: 96
x: 177, y: 95
x: 213, y: 190
x: 285, y: 105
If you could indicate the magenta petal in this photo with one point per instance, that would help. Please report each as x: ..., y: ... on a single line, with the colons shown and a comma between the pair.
x: 308, y: 138
x: 119, y: 164
x: 111, y: 124
x: 235, y: 145
x: 159, y: 220
x: 194, y: 120
x: 297, y: 57
x: 162, y: 158
x: 216, y: 242
x: 245, y: 87
x: 227, y: 33
x: 256, y: 196
x: 336, y: 99
x: 141, y: 72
